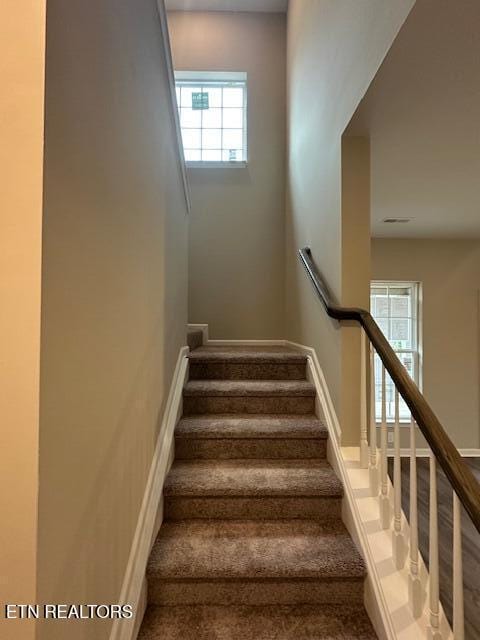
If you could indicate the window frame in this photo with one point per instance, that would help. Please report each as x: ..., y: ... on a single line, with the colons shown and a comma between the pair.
x: 417, y: 320
x: 221, y: 79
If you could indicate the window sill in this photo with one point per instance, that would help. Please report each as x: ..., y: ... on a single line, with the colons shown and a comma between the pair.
x: 215, y: 165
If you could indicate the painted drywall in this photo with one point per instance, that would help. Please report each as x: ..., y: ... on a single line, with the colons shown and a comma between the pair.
x: 421, y: 114
x: 114, y: 294
x: 449, y: 271
x: 355, y: 271
x: 22, y: 57
x: 333, y: 51
x: 236, y: 242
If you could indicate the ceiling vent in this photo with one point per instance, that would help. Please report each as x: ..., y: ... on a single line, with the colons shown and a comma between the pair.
x: 396, y: 220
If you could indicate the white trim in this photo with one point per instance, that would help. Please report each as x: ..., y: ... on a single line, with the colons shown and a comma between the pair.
x: 425, y: 453
x: 162, y: 14
x: 211, y: 76
x: 149, y: 520
x: 200, y: 327
x: 219, y: 164
x: 246, y: 343
x: 323, y: 394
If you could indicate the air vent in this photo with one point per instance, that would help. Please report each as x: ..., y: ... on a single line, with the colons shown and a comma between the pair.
x: 396, y: 220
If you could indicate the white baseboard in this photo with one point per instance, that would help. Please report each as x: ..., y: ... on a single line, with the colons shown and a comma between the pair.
x: 246, y: 343
x: 133, y: 590
x: 316, y: 376
x: 425, y: 453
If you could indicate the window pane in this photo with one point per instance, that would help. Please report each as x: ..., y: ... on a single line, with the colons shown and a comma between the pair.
x: 233, y: 118
x: 211, y: 139
x: 232, y: 139
x: 394, y: 308
x: 192, y: 155
x: 212, y: 118
x: 187, y: 96
x: 233, y: 97
x: 381, y: 307
x: 191, y: 138
x: 211, y: 156
x: 220, y: 129
x: 232, y: 155
x: 400, y: 303
x: 190, y: 118
x: 214, y: 96
x: 401, y: 333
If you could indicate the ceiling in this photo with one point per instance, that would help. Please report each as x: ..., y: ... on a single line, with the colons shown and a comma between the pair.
x: 422, y: 116
x: 270, y: 6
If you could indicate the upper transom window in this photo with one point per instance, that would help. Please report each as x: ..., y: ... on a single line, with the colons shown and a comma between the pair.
x: 213, y: 116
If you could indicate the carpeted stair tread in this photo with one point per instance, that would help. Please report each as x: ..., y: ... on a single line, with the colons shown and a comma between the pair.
x: 257, y: 355
x: 251, y: 426
x: 230, y: 550
x: 245, y: 478
x: 248, y: 388
x: 299, y: 622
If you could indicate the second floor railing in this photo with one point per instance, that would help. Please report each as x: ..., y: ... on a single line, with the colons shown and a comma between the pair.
x: 464, y: 486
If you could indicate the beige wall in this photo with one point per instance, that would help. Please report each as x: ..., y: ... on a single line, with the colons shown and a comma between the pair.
x: 421, y: 114
x: 114, y: 308
x: 449, y: 271
x: 237, y: 231
x: 334, y: 50
x: 355, y: 271
x: 22, y: 56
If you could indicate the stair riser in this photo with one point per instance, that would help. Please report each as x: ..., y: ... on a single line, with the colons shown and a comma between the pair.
x: 194, y: 405
x: 270, y: 508
x: 231, y: 449
x: 194, y: 339
x: 246, y: 371
x: 253, y: 592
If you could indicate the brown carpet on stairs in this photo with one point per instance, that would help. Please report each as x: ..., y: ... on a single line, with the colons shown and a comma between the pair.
x: 252, y: 545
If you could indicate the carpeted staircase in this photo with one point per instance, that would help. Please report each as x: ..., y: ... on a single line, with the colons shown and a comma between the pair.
x: 252, y: 545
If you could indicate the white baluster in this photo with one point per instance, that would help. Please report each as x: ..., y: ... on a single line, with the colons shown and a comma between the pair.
x: 373, y: 469
x: 384, y: 500
x: 434, y: 627
x: 363, y: 402
x: 416, y: 593
x: 458, y: 620
x: 398, y: 539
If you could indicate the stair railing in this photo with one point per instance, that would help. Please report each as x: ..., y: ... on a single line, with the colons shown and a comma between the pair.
x: 465, y: 488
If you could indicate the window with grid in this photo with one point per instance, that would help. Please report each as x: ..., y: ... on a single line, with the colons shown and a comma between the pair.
x: 213, y: 115
x: 395, y: 307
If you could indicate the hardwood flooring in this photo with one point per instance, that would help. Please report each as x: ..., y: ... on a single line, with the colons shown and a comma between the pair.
x: 470, y: 539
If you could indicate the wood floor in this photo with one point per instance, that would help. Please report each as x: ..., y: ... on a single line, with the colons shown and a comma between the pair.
x: 471, y: 539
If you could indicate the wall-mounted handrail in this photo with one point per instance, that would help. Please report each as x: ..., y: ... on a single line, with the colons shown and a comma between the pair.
x: 458, y: 473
